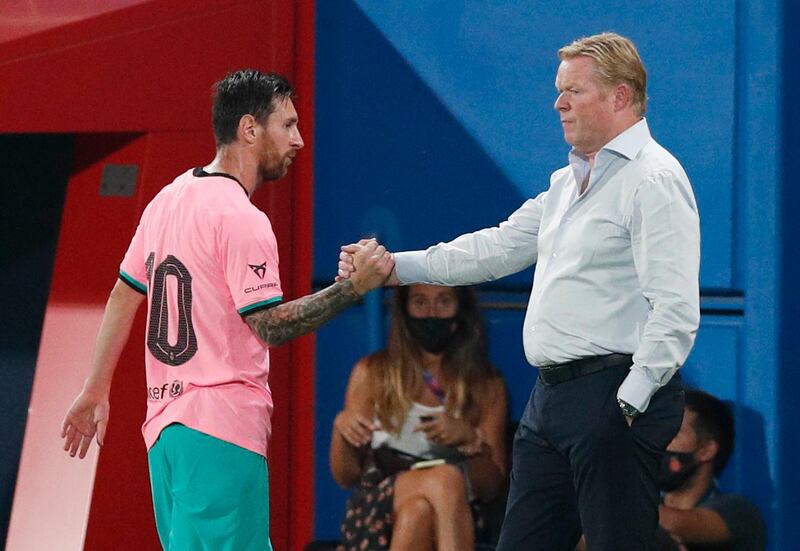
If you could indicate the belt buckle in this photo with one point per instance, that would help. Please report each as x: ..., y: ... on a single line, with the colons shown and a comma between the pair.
x: 550, y: 375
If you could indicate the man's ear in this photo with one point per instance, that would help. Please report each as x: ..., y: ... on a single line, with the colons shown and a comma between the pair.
x: 247, y: 129
x: 623, y: 96
x: 708, y: 451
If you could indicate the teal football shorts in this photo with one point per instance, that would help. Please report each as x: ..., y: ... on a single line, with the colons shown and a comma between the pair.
x: 208, y: 494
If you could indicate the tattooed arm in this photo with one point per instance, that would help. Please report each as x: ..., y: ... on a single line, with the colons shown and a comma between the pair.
x: 286, y: 321
x: 280, y: 324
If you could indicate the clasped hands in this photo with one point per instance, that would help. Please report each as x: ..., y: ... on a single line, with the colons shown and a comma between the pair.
x: 367, y: 265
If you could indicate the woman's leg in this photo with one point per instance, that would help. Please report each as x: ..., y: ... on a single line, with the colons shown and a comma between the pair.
x: 443, y: 487
x: 413, y: 528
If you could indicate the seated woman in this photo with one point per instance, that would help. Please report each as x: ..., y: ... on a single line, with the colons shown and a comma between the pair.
x: 431, y: 394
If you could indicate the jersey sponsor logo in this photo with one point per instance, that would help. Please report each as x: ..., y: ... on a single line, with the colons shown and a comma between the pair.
x: 158, y: 393
x: 259, y: 269
x: 259, y: 287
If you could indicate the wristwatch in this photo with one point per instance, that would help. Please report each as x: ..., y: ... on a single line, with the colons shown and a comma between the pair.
x: 627, y: 409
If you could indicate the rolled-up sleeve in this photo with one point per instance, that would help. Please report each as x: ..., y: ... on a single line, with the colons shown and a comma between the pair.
x: 485, y: 255
x: 665, y: 237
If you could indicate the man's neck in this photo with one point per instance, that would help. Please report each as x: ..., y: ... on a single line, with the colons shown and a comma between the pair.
x: 230, y: 162
x: 688, y: 497
x: 622, y: 125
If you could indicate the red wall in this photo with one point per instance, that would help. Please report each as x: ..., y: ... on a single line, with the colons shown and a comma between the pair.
x: 134, y: 86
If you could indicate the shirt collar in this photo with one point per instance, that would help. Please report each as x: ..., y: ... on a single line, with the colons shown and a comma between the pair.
x: 200, y: 172
x: 710, y: 494
x: 628, y: 143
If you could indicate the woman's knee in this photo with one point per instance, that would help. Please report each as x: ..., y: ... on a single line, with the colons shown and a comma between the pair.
x: 443, y: 487
x: 446, y: 482
x: 416, y: 514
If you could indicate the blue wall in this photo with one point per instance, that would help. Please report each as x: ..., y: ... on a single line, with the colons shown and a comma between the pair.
x: 788, y: 472
x: 437, y: 119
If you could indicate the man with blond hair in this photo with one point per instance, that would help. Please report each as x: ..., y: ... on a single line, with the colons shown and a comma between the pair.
x: 612, y: 315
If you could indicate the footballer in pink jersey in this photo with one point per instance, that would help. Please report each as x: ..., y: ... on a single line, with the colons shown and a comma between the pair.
x: 202, y: 246
x: 206, y: 261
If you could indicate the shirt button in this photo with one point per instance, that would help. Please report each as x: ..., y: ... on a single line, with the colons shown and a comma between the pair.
x: 533, y: 328
x: 555, y: 254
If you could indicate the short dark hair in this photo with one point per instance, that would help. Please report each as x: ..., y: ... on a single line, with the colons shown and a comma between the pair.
x: 245, y: 92
x: 715, y: 422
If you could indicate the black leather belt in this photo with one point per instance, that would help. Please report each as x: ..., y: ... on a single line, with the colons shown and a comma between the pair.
x: 560, y: 373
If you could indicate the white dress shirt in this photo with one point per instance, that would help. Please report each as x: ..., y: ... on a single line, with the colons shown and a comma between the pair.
x: 616, y: 268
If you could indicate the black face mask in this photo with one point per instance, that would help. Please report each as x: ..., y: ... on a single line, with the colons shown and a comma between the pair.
x: 676, y: 470
x: 432, y: 334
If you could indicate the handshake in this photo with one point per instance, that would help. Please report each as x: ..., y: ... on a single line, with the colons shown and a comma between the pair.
x: 367, y: 265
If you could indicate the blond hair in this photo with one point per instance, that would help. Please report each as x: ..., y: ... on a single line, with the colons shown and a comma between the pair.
x: 616, y: 61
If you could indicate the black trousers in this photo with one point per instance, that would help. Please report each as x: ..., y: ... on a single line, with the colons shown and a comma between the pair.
x: 578, y: 468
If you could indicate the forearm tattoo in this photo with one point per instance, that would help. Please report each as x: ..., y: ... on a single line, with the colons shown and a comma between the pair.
x: 286, y: 321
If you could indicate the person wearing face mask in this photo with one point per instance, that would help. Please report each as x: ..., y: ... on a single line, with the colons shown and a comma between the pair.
x: 693, y: 511
x: 421, y: 438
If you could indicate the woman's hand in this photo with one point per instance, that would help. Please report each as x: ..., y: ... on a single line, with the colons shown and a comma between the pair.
x: 446, y: 430
x: 355, y: 428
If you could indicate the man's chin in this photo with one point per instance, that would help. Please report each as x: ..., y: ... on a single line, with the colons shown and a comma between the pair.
x: 275, y: 174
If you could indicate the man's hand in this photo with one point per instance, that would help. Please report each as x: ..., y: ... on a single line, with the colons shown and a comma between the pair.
x: 355, y: 429
x: 347, y: 264
x: 87, y: 417
x: 372, y: 266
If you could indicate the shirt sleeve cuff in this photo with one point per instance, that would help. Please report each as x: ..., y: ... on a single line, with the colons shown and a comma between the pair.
x: 411, y: 267
x: 132, y: 283
x: 637, y: 389
x: 261, y: 305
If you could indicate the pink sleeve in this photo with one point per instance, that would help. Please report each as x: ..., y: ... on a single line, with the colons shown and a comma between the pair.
x: 249, y: 255
x: 133, y: 269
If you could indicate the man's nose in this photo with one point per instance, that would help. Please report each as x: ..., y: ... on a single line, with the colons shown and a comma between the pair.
x: 561, y: 103
x: 297, y: 141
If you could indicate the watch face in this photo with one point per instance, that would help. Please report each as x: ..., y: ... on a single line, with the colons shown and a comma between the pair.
x: 628, y: 409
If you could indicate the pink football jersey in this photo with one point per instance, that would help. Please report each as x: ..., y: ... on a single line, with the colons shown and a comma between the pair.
x: 205, y: 256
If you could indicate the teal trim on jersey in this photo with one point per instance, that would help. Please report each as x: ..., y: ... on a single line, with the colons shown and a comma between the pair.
x: 132, y: 282
x: 257, y: 305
